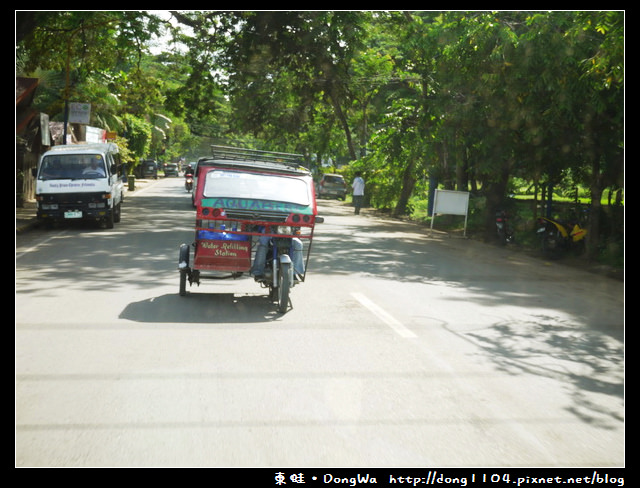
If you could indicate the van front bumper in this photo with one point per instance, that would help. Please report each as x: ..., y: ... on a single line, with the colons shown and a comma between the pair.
x: 50, y: 212
x: 73, y: 206
x: 72, y: 214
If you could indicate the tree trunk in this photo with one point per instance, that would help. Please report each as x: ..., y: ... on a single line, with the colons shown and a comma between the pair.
x: 345, y: 125
x: 408, y: 184
x: 462, y: 170
x: 593, y: 234
x: 495, y: 193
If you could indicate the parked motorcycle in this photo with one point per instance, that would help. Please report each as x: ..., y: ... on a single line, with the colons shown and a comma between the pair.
x: 504, y: 228
x: 557, y: 238
x: 188, y: 182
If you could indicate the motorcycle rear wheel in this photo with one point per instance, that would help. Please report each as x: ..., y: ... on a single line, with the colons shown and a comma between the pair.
x: 502, y: 237
x: 552, y: 246
x: 284, y: 286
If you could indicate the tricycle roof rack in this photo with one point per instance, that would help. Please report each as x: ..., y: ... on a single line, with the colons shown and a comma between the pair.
x: 290, y: 160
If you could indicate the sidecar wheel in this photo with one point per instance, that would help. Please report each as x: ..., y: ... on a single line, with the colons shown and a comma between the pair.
x: 183, y: 282
x: 183, y: 266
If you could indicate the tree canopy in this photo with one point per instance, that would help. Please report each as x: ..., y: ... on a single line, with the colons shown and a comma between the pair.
x: 470, y: 99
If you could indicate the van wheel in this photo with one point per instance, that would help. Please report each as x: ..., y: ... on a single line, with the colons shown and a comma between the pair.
x: 118, y: 212
x: 109, y: 219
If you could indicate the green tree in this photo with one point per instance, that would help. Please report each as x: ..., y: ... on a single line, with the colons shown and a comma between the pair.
x: 600, y: 35
x: 470, y: 98
x: 138, y: 133
x: 510, y: 94
x: 85, y: 47
x: 287, y: 62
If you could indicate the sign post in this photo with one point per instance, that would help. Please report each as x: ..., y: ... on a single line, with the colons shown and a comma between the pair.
x: 448, y: 202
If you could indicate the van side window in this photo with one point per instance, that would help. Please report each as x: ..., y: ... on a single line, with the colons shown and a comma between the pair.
x: 118, y: 162
x: 113, y: 169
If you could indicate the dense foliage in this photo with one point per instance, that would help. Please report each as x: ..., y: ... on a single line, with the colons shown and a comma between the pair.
x: 470, y: 100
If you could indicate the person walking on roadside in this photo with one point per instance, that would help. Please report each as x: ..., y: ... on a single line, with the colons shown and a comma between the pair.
x: 358, y: 192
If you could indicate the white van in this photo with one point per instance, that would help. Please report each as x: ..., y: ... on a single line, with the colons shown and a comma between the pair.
x: 80, y: 181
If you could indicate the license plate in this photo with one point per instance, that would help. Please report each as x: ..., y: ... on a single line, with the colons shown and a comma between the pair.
x: 73, y: 214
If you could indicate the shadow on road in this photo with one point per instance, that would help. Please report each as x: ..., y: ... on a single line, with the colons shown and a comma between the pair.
x: 204, y: 308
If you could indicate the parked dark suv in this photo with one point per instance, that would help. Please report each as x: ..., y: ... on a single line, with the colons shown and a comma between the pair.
x: 149, y: 169
x: 332, y: 186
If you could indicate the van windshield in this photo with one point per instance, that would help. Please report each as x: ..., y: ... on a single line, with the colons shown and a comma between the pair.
x: 72, y: 166
x: 236, y: 184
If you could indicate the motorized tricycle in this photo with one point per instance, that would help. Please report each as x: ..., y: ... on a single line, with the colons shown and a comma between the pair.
x: 255, y: 215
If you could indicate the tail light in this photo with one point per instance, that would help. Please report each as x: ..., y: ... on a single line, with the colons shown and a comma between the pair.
x: 300, y: 219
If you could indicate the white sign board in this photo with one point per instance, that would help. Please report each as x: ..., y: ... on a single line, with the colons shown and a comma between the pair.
x: 448, y: 202
x: 94, y: 134
x: 79, y: 113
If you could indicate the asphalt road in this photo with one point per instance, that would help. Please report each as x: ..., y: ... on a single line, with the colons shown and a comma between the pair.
x: 403, y: 348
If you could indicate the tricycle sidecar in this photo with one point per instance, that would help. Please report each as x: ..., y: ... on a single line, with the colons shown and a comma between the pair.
x: 255, y: 214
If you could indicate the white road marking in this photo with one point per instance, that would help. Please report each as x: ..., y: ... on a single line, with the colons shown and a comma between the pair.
x: 384, y: 316
x: 36, y: 246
